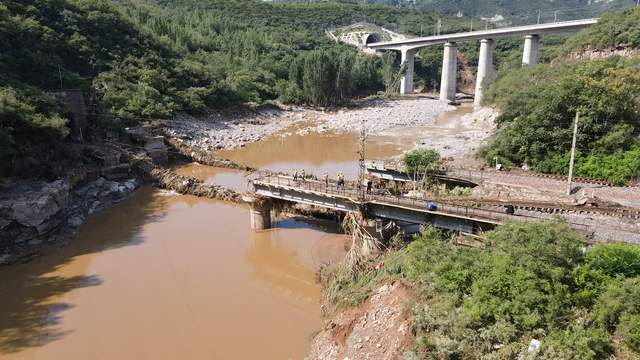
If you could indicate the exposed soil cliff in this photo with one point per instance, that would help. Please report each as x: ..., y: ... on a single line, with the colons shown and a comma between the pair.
x: 379, y: 328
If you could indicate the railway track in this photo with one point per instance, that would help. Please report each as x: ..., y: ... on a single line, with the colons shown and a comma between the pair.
x: 617, y: 212
x: 481, y: 174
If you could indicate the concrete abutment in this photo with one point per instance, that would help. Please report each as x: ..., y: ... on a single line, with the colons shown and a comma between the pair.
x: 260, y: 210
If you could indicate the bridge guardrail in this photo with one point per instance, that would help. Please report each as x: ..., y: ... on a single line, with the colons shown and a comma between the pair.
x: 358, y: 194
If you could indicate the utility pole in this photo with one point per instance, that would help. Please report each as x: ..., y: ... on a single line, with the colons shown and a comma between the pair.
x: 60, y: 76
x: 361, y: 153
x: 573, y: 152
x: 555, y: 16
x: 539, y: 15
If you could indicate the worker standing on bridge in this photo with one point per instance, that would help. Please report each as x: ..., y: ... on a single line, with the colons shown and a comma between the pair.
x: 369, y: 186
x: 303, y: 175
x: 325, y: 177
x: 295, y: 175
x: 340, y: 181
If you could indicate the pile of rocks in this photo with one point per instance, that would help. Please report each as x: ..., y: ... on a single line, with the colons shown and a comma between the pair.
x: 169, y: 180
x: 382, y: 115
x: 227, y: 132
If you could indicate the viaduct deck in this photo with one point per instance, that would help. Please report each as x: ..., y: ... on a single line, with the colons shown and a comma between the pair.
x: 537, y: 29
x: 399, y: 208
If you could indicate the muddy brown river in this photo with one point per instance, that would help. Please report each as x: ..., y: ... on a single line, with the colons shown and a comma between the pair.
x: 167, y: 276
x: 164, y: 276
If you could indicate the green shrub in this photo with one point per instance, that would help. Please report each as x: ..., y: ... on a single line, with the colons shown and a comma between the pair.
x: 622, y: 297
x: 31, y: 124
x: 577, y: 342
x: 630, y: 330
x: 615, y: 259
x: 421, y: 160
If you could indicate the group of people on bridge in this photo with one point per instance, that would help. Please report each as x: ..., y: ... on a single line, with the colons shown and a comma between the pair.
x: 300, y: 175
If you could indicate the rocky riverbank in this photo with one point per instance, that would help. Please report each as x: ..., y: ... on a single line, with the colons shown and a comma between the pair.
x: 35, y: 213
x: 228, y: 131
x: 381, y: 114
x: 458, y: 134
x: 224, y: 130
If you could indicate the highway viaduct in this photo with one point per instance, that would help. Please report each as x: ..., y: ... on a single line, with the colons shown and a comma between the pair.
x: 531, y: 34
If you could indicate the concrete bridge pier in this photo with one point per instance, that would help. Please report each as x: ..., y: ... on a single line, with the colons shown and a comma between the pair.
x: 260, y: 211
x: 406, y: 83
x: 530, y: 54
x: 449, y: 68
x: 485, y: 67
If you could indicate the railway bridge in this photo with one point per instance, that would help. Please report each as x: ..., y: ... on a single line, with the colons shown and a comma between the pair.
x: 531, y: 34
x: 351, y: 198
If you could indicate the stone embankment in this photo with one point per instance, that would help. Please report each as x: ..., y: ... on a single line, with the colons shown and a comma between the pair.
x: 32, y: 214
x: 169, y: 180
x: 379, y: 328
x: 200, y: 155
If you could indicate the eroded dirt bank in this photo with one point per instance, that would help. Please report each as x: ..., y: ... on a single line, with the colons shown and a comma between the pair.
x: 379, y: 328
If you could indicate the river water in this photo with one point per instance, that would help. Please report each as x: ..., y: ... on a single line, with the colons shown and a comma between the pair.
x: 166, y: 276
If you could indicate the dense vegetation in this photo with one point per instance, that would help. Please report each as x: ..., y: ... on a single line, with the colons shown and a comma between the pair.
x: 539, y: 105
x: 516, y: 11
x: 49, y: 44
x: 148, y: 59
x: 613, y: 30
x: 531, y: 281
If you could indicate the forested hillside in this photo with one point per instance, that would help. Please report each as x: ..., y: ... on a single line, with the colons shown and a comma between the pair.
x: 146, y: 59
x: 517, y: 11
x: 539, y: 105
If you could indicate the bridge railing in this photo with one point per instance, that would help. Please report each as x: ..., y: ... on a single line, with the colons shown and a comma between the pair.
x: 352, y: 191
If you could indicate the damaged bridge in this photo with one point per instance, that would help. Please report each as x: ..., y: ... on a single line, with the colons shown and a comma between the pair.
x: 349, y: 198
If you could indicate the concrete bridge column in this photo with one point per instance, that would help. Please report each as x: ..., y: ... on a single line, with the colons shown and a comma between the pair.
x: 260, y: 212
x: 485, y: 67
x: 449, y: 68
x: 530, y: 54
x: 406, y: 83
